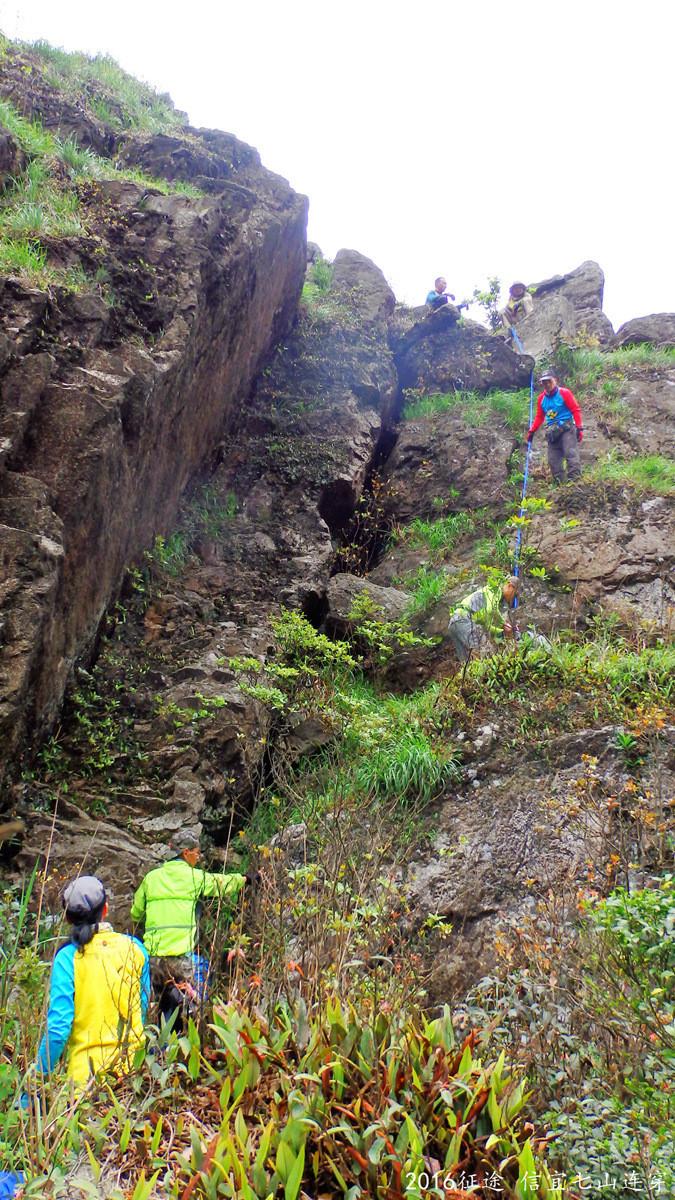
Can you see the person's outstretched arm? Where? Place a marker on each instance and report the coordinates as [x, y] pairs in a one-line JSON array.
[[211, 884]]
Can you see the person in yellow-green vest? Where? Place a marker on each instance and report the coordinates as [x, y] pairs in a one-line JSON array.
[[98, 992], [478, 618], [168, 901]]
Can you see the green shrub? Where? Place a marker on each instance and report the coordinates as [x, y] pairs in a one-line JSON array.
[[587, 1009], [169, 554], [375, 638]]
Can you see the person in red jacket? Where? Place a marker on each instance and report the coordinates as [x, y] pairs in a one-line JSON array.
[[558, 410]]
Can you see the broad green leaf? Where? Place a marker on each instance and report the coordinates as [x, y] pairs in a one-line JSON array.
[[292, 1185]]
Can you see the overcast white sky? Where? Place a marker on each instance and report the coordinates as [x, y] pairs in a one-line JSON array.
[[463, 138]]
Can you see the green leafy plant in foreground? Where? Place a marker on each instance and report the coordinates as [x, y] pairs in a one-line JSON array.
[[587, 1006]]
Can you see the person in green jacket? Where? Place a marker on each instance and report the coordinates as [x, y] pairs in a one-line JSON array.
[[478, 617], [169, 901]]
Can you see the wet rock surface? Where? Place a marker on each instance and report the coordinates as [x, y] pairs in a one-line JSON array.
[[107, 411]]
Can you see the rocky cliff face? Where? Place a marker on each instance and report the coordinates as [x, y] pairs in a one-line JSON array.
[[110, 402], [297, 456]]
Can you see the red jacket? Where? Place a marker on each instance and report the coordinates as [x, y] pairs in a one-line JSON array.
[[569, 401]]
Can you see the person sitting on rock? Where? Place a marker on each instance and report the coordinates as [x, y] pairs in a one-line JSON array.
[[98, 992], [168, 901], [518, 306], [558, 409], [478, 618], [439, 297]]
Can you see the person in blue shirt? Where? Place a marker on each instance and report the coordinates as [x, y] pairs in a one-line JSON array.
[[99, 990], [439, 297]]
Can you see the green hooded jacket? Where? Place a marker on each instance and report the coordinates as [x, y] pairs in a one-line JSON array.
[[167, 901]]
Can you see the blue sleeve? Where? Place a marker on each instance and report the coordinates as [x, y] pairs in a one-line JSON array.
[[61, 1010], [431, 296], [145, 979]]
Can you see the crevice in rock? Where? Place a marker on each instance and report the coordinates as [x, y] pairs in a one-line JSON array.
[[336, 506], [314, 608]]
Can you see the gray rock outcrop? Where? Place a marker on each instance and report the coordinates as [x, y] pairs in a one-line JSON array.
[[435, 354], [389, 603], [564, 307], [658, 329], [365, 284], [106, 412]]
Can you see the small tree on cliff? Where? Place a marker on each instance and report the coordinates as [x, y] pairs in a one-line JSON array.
[[489, 301]]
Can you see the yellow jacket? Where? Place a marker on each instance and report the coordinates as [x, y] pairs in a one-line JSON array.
[[97, 1004]]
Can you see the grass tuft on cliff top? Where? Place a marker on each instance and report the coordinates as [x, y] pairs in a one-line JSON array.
[[511, 407], [44, 200], [109, 93], [584, 368]]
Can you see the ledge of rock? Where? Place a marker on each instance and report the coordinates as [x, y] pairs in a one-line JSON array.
[[658, 329]]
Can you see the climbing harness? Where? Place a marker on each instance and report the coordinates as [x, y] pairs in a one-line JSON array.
[[526, 472]]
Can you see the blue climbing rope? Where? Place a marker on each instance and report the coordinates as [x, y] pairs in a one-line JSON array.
[[526, 472]]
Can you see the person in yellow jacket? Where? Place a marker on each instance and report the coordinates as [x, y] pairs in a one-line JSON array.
[[169, 901], [98, 992], [478, 617]]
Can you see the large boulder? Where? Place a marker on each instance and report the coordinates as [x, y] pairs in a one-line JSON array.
[[389, 604], [564, 307], [658, 329], [368, 290], [438, 354]]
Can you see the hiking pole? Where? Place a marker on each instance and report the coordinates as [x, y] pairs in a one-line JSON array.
[[523, 495]]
